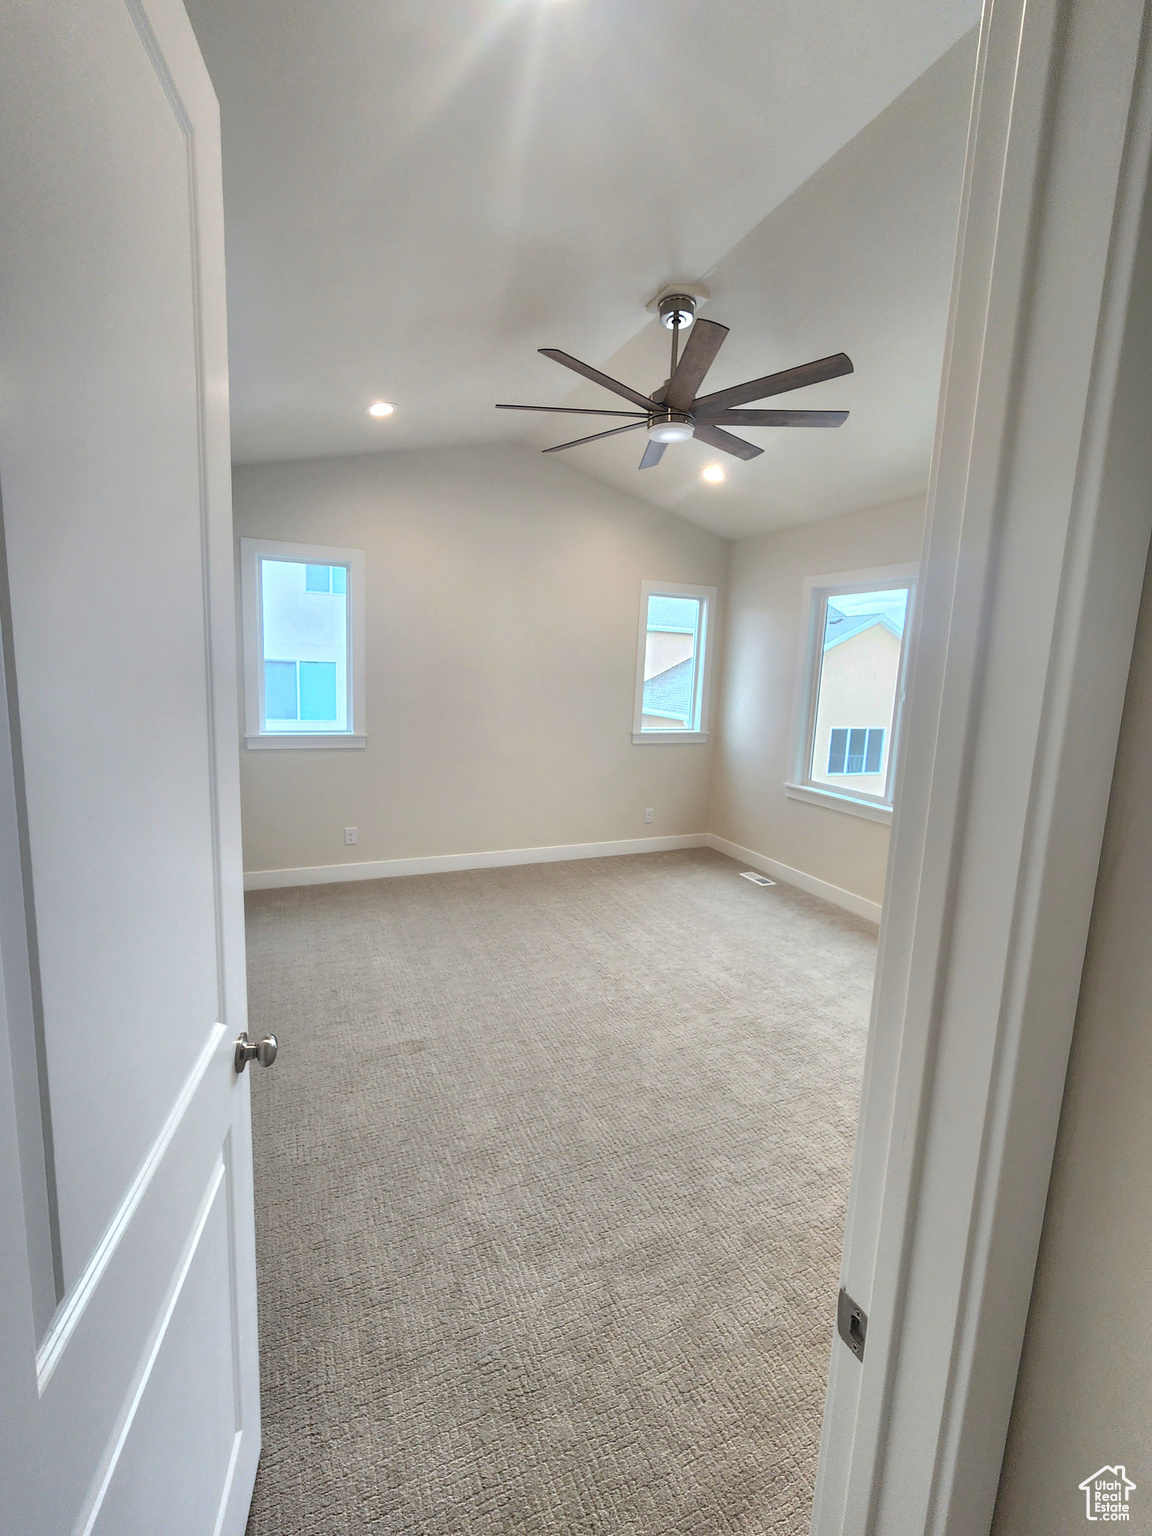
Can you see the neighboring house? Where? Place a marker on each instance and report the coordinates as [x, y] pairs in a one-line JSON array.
[[668, 697], [669, 663], [859, 672], [304, 627]]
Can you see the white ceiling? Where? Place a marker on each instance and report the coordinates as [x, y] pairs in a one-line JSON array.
[[420, 193], [857, 260]]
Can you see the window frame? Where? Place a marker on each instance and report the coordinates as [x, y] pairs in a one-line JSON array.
[[816, 592], [252, 551], [702, 685]]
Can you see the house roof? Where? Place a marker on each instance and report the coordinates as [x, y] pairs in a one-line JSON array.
[[670, 692], [843, 626]]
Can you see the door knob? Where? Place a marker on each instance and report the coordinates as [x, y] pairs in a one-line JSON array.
[[263, 1051]]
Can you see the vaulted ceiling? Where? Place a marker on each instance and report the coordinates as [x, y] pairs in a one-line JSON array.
[[421, 193]]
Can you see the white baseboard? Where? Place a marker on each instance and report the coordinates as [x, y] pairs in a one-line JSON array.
[[385, 869], [434, 864], [815, 887]]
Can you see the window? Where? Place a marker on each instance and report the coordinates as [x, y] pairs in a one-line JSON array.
[[852, 688], [855, 750], [303, 645], [326, 578], [672, 663]]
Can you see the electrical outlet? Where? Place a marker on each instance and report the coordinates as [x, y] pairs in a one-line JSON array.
[[648, 815], [349, 836]]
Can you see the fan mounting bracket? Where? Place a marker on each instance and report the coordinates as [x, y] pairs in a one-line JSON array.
[[692, 297]]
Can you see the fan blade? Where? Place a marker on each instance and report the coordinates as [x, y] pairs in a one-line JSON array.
[[569, 410], [778, 418], [774, 384], [652, 454], [597, 377], [704, 341], [612, 431], [707, 433]]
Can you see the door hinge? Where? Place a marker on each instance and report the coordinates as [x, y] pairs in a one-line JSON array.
[[851, 1323]]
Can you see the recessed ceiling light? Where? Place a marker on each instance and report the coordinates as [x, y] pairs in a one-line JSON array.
[[381, 408], [713, 474]]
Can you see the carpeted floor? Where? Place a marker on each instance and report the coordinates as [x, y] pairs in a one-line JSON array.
[[550, 1186]]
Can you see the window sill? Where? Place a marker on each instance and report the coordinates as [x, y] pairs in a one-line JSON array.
[[666, 738], [289, 741], [831, 800]]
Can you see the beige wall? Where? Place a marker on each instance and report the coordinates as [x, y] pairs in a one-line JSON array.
[[1083, 1398], [765, 580], [503, 596]]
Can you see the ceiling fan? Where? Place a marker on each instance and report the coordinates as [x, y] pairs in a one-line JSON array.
[[675, 412]]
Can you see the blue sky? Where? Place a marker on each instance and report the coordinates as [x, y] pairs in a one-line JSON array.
[[893, 604]]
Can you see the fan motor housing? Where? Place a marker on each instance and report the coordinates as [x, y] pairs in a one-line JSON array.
[[678, 308]]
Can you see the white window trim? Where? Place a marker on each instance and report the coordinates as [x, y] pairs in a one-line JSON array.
[[707, 596], [835, 800], [800, 786], [256, 739]]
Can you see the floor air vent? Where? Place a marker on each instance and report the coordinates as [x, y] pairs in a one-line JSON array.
[[755, 877]]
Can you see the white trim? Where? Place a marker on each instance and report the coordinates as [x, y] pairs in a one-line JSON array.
[[839, 897], [72, 1309], [833, 800], [284, 739], [106, 1471], [255, 737], [814, 590], [702, 677], [1035, 551], [871, 578], [667, 738], [440, 863], [559, 853], [228, 1517]]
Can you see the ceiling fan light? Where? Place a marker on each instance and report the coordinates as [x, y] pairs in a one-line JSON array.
[[670, 431]]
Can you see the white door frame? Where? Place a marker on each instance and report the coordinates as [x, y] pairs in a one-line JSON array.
[[1039, 516]]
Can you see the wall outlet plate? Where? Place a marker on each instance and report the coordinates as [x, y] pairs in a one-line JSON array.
[[350, 835], [648, 815]]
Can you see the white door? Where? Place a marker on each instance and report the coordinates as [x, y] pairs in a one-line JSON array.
[[128, 1385]]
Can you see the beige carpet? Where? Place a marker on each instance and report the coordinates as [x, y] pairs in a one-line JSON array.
[[550, 1187]]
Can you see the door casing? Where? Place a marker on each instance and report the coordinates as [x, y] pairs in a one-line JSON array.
[[1039, 518]]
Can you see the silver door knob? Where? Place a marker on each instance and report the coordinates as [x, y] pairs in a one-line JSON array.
[[263, 1051]]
